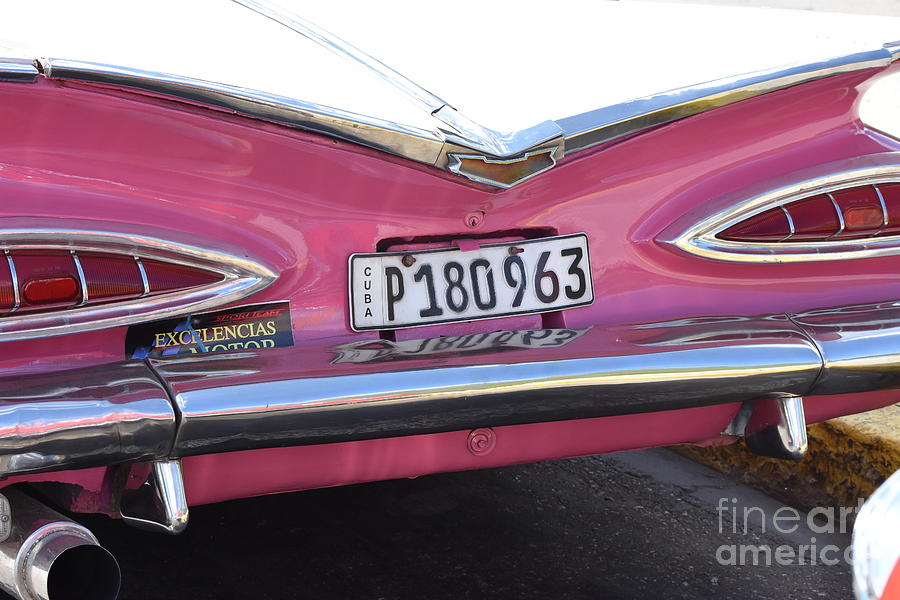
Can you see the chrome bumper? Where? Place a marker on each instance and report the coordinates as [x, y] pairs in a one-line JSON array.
[[292, 396]]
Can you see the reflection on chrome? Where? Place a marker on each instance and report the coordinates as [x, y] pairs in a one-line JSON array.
[[473, 343], [83, 418]]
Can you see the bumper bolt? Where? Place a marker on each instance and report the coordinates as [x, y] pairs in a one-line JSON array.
[[481, 441]]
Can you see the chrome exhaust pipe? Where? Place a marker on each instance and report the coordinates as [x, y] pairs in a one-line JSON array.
[[45, 556]]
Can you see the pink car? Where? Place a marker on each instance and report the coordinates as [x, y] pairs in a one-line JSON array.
[[209, 292]]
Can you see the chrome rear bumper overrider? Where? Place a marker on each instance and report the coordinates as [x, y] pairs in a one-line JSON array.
[[179, 407]]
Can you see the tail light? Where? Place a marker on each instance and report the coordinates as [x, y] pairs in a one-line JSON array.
[[850, 213], [62, 282], [52, 280], [847, 213]]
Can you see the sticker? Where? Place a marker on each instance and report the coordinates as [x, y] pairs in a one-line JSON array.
[[251, 327], [474, 343]]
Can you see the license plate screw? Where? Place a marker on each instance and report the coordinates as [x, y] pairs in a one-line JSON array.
[[408, 260], [513, 250]]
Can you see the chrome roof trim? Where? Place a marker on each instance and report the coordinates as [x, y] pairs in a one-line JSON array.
[[422, 97], [459, 128], [13, 69], [241, 278], [701, 240], [413, 143], [607, 124]]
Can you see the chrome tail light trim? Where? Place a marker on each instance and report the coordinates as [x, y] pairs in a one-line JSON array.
[[241, 277], [17, 298], [82, 282], [143, 271], [702, 239]]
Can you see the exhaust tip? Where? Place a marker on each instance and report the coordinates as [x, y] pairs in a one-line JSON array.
[[86, 571]]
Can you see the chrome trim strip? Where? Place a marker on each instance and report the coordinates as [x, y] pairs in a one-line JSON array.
[[607, 124], [241, 277], [790, 221], [894, 49], [81, 418], [453, 131], [144, 280], [422, 97], [458, 128], [18, 70], [416, 144], [245, 401], [81, 280], [587, 129], [17, 299], [701, 238]]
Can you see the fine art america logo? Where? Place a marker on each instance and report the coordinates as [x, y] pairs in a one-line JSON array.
[[815, 537]]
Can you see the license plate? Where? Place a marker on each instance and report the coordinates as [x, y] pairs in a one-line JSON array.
[[392, 290]]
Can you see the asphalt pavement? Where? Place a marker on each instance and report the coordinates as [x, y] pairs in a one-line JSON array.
[[648, 524]]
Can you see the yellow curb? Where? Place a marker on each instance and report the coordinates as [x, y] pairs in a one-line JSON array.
[[848, 458]]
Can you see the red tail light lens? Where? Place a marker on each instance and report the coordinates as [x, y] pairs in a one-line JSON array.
[[109, 277], [47, 279], [52, 290], [44, 280], [852, 213], [164, 277], [769, 226], [814, 218], [861, 210]]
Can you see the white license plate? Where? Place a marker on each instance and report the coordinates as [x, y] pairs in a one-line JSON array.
[[391, 290]]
